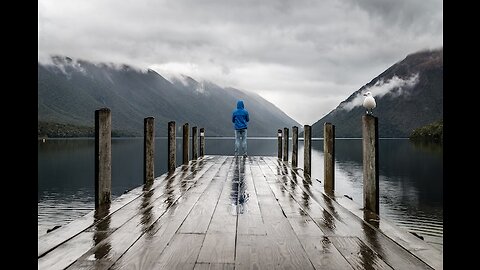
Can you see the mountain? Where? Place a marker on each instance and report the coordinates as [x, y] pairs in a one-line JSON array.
[[69, 92], [409, 95]]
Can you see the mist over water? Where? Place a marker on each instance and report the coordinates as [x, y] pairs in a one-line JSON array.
[[411, 176]]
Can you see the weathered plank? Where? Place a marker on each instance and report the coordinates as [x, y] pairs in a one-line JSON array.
[[219, 244], [359, 255], [265, 252], [322, 253], [418, 247], [284, 248], [149, 247], [214, 266], [226, 213], [118, 241], [344, 223], [188, 245], [250, 221], [218, 247], [49, 241]]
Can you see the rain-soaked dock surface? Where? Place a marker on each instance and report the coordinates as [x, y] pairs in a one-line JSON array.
[[222, 212]]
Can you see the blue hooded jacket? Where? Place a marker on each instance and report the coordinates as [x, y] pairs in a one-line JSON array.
[[240, 116]]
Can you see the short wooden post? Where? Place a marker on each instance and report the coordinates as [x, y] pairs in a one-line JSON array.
[[370, 163], [194, 143], [329, 157], [103, 157], [186, 137], [171, 147], [148, 150], [285, 144], [202, 142], [279, 135], [294, 146], [307, 151]]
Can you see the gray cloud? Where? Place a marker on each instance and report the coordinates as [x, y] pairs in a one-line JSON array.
[[290, 52], [394, 86]]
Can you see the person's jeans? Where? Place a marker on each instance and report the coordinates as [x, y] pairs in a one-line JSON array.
[[241, 141]]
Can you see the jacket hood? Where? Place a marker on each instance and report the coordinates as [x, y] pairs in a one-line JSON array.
[[240, 104]]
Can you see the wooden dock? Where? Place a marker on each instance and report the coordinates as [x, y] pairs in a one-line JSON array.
[[222, 212]]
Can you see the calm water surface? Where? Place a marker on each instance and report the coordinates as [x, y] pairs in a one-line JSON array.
[[411, 176]]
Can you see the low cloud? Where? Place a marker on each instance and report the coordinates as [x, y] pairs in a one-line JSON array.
[[394, 87]]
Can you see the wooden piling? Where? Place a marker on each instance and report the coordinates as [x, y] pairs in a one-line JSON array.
[[186, 137], [294, 146], [370, 163], [148, 150], [279, 135], [307, 154], [171, 147], [103, 157], [194, 143], [202, 142], [285, 144], [329, 157]]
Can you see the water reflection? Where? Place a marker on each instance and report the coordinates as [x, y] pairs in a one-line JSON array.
[[239, 195], [101, 231], [145, 209]]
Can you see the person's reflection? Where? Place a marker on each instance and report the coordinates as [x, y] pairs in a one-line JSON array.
[[238, 194], [101, 231]]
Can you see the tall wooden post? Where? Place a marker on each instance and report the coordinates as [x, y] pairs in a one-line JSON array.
[[103, 157], [307, 154], [279, 135], [329, 157], [148, 150], [171, 147], [186, 137], [370, 163], [194, 143], [202, 142], [285, 144], [294, 146]]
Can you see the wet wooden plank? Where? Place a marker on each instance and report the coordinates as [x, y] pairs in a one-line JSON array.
[[322, 253], [145, 251], [53, 239], [101, 230], [250, 220], [181, 253], [264, 252], [199, 218], [218, 248], [359, 255], [421, 249], [228, 213], [214, 266], [75, 247], [224, 219], [120, 240], [325, 220], [340, 221], [219, 244], [279, 231]]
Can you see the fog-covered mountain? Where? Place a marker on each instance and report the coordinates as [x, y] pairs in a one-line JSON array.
[[69, 92], [409, 95]]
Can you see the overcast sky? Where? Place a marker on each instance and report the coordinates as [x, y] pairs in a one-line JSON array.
[[304, 56]]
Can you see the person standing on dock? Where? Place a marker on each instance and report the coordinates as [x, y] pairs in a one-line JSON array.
[[240, 119]]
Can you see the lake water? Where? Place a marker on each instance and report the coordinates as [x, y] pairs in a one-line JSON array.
[[411, 176]]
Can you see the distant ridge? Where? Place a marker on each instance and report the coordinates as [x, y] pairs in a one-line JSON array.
[[411, 96], [69, 92]]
